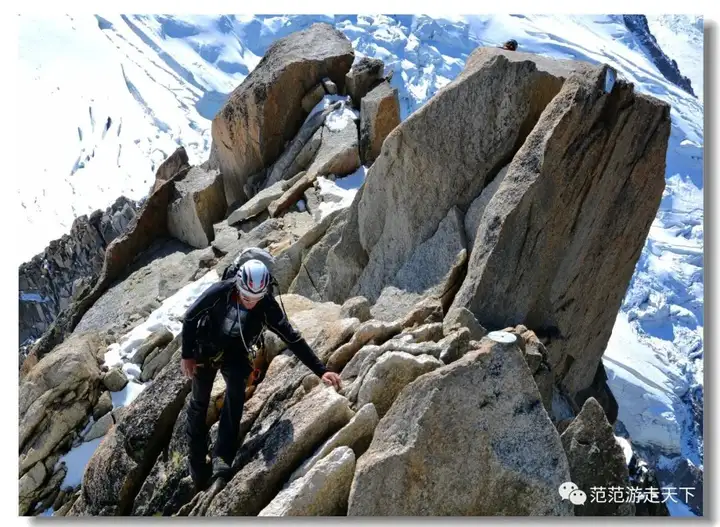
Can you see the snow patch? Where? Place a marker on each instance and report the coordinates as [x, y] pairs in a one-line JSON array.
[[132, 371], [76, 460], [326, 102], [627, 448], [127, 395], [342, 117], [340, 193]]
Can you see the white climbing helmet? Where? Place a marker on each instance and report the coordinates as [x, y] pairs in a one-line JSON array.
[[253, 279]]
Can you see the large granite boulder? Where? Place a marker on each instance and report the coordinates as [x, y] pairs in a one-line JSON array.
[[265, 111], [478, 421], [56, 397], [572, 212], [379, 115], [197, 203]]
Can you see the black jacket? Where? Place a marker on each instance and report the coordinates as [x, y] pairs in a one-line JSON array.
[[266, 314]]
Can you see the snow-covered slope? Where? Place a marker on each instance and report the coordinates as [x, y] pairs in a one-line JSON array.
[[108, 98]]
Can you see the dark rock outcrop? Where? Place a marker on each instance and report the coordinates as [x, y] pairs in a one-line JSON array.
[[148, 225], [596, 460], [178, 161], [68, 267], [638, 26], [600, 390]]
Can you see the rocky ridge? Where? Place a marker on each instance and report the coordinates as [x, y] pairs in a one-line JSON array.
[[463, 356]]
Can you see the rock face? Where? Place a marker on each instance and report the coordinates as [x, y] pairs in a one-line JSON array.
[[379, 115], [321, 492], [478, 206], [289, 260], [168, 485], [596, 460], [600, 390], [338, 153], [197, 203], [295, 435], [389, 375], [157, 339], [423, 173], [462, 317], [265, 111], [149, 224], [313, 279], [361, 78], [100, 428], [156, 274], [56, 398], [157, 360], [177, 161], [116, 471], [301, 151], [357, 435], [569, 213], [258, 203], [572, 212], [115, 380], [478, 420], [103, 406], [54, 278], [313, 97], [291, 195], [424, 272], [29, 484], [356, 307]]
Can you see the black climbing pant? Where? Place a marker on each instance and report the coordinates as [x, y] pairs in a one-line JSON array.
[[226, 445]]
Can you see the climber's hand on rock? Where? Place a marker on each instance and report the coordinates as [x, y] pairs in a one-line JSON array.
[[331, 379]]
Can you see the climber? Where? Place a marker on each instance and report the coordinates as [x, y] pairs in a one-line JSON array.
[[220, 331], [510, 45]]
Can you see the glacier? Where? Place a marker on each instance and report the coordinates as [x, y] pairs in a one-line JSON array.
[[110, 97]]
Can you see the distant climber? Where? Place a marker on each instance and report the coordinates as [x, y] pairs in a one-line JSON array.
[[510, 45], [220, 332]]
